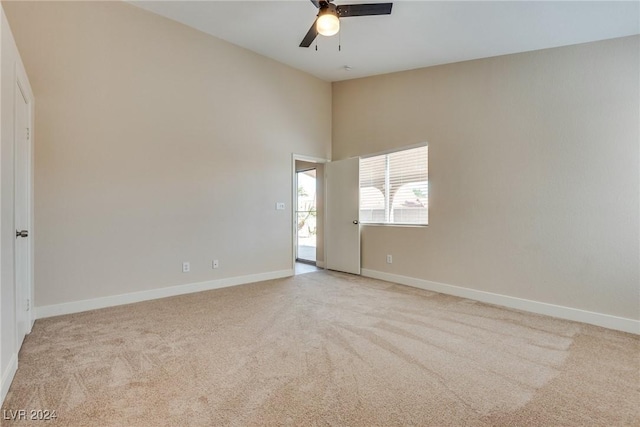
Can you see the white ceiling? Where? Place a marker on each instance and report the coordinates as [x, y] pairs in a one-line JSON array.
[[416, 34]]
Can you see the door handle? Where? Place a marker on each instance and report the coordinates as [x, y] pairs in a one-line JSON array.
[[22, 233], [356, 222]]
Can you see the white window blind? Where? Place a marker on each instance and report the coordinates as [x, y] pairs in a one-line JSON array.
[[394, 188]]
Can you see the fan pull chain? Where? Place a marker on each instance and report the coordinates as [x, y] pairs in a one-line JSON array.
[[340, 41]]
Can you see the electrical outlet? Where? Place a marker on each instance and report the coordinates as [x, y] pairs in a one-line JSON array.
[[186, 267], [389, 259], [215, 264]]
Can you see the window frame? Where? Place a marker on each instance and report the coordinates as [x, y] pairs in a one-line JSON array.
[[399, 224]]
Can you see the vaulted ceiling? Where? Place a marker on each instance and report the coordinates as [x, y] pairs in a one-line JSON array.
[[416, 34]]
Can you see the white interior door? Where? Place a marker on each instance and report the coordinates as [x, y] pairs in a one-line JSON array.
[[343, 227], [22, 215]]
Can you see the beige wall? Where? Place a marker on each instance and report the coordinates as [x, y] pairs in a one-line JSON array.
[[533, 168], [158, 144], [300, 166]]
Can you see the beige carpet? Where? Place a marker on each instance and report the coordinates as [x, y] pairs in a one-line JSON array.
[[325, 349]]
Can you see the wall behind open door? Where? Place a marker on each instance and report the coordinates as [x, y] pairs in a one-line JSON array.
[[342, 236]]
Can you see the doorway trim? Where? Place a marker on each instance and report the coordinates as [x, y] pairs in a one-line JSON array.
[[296, 212], [294, 201]]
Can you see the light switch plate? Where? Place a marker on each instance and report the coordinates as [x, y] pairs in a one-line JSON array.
[[280, 206]]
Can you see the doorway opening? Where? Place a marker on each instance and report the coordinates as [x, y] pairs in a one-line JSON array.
[[307, 213], [306, 216]]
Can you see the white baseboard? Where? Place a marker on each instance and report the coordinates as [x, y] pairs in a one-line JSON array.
[[7, 376], [568, 313], [110, 301], [320, 264]]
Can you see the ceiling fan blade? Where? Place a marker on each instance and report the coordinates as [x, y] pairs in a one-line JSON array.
[[316, 3], [311, 36], [347, 10]]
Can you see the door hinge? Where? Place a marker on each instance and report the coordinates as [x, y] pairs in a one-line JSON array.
[[28, 134], [28, 304]]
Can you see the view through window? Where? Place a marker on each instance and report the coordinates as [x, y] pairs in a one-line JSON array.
[[394, 188]]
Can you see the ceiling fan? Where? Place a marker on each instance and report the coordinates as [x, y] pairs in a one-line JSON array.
[[327, 22]]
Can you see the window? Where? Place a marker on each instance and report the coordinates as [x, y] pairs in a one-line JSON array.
[[394, 188]]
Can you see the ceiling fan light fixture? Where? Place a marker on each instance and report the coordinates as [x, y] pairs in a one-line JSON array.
[[328, 23]]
